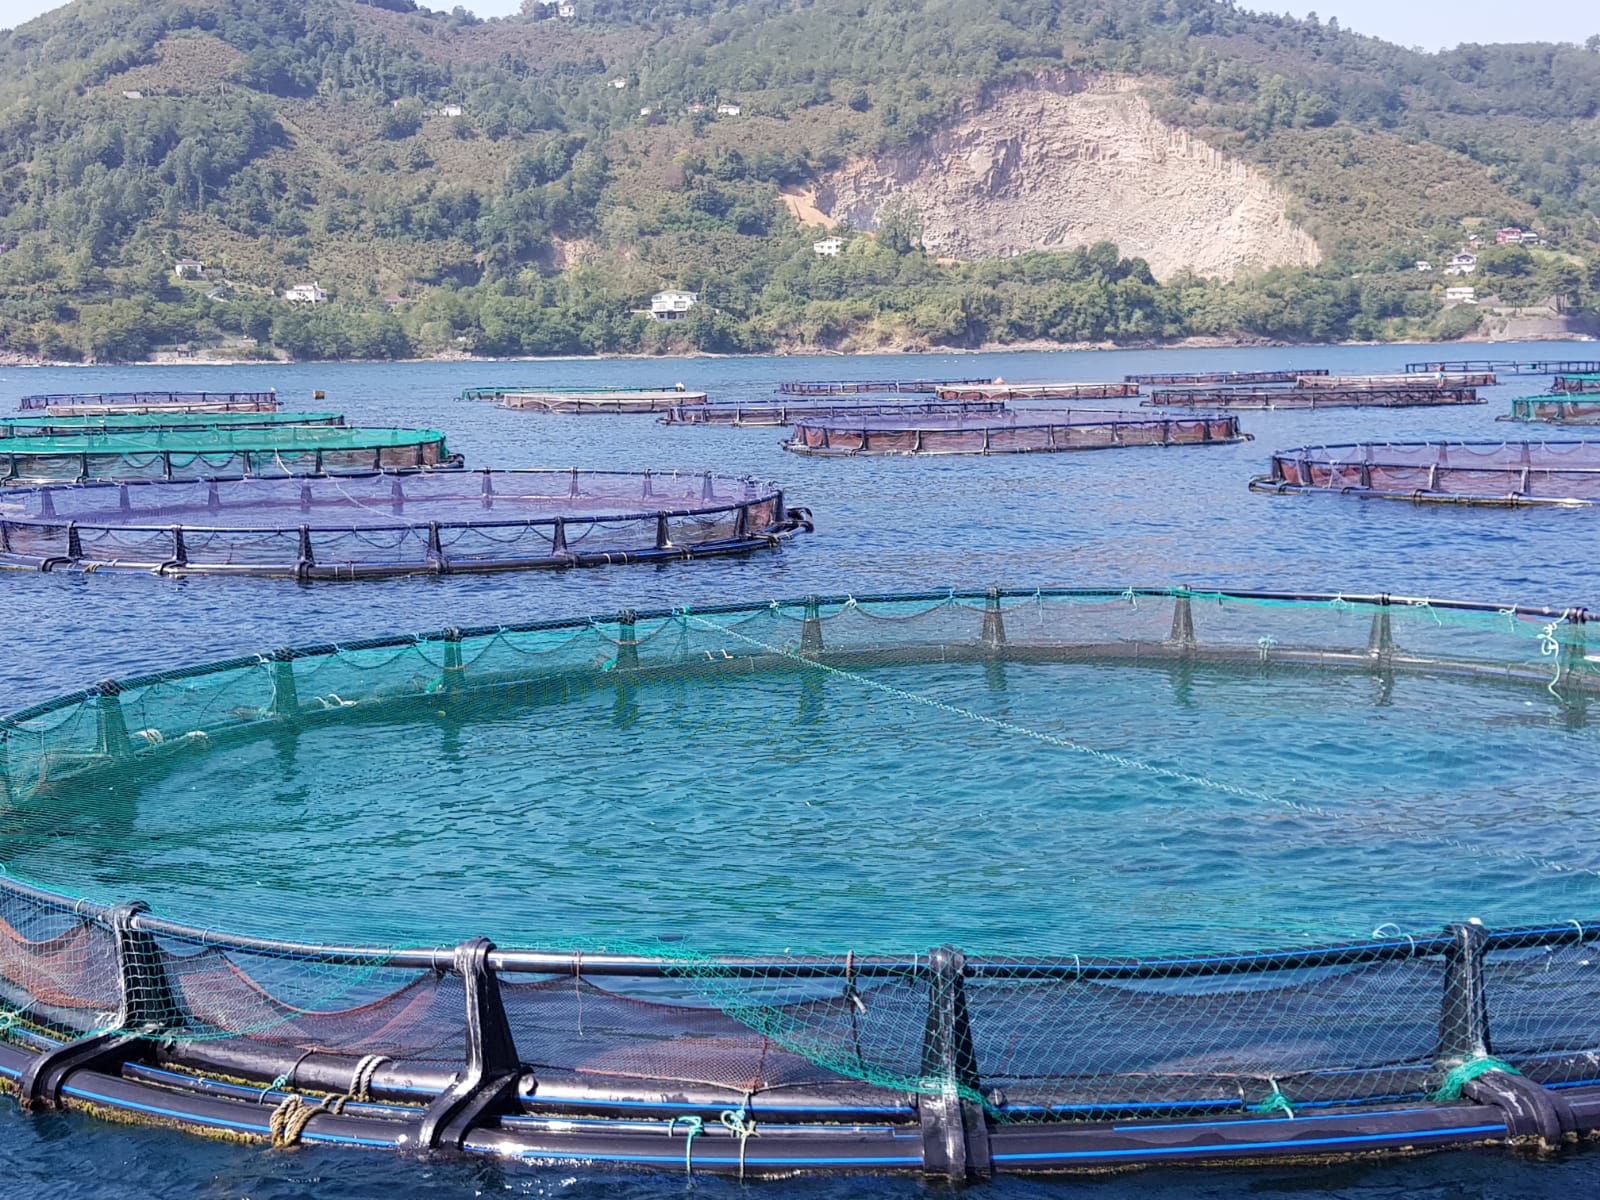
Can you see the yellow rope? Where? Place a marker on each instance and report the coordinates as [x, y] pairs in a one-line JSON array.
[[289, 1120]]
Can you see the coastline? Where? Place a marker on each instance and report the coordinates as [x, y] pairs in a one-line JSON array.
[[12, 359]]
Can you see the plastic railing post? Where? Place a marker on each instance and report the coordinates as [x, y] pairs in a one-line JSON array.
[[955, 1139], [1464, 1015], [811, 629], [492, 1072], [1182, 620], [285, 693], [111, 725], [994, 622], [455, 669], [627, 640]]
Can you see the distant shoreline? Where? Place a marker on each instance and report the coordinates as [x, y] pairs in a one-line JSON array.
[[11, 360]]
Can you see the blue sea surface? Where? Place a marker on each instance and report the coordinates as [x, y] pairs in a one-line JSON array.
[[1133, 517]]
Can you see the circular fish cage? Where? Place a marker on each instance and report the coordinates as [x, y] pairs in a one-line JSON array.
[[383, 523], [861, 387], [1554, 410], [1039, 391], [1506, 474], [1034, 431], [772, 413], [1426, 396], [107, 403], [589, 400], [156, 422], [219, 453], [1156, 936]]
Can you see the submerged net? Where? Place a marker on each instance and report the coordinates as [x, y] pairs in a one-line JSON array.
[[385, 523], [155, 421], [208, 453], [1505, 473], [1189, 779], [1007, 433]]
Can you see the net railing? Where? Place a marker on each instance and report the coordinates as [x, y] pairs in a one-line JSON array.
[[1575, 384], [956, 1039], [156, 421], [772, 413], [382, 523], [1505, 473], [1039, 391], [1309, 397], [219, 453], [1555, 410], [136, 402], [886, 387], [1007, 433], [1191, 378]]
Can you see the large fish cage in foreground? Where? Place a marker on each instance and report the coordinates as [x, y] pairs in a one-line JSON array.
[[1506, 474], [952, 1062], [387, 523], [106, 403], [1026, 432], [189, 454]]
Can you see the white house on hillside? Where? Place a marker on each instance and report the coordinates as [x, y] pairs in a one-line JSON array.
[[828, 247], [728, 110], [672, 306], [189, 268], [305, 293], [1460, 295]]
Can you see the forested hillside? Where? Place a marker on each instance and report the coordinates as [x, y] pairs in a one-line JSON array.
[[525, 185]]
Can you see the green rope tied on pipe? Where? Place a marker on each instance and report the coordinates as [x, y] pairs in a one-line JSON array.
[[1275, 1102], [1465, 1073], [693, 1128], [742, 1125]]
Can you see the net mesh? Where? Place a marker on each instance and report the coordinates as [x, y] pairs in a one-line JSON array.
[[385, 523], [1489, 473], [156, 421], [1007, 433], [146, 402], [1029, 1037]]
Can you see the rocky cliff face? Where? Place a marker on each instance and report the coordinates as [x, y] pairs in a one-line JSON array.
[[1066, 162]]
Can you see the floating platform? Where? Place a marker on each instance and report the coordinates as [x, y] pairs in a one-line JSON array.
[[108, 403], [1576, 384], [1511, 366], [1506, 474], [845, 387], [157, 422], [383, 524], [951, 1064], [1306, 397], [773, 413], [1039, 391], [1554, 410], [220, 453], [601, 402], [1038, 431], [499, 395], [1190, 378]]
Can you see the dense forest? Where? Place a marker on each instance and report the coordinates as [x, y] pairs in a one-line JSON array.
[[523, 186]]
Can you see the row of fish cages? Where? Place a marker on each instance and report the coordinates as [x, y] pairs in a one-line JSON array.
[[1508, 366]]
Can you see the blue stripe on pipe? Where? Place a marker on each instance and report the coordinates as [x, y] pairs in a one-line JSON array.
[[1216, 1148], [217, 1122]]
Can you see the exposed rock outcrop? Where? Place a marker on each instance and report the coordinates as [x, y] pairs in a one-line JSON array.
[[1065, 162]]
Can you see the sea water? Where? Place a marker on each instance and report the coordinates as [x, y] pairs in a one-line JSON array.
[[1500, 767]]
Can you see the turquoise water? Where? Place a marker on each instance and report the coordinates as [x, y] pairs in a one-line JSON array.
[[1164, 516], [769, 813]]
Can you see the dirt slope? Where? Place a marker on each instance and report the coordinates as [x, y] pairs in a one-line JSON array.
[[1065, 162]]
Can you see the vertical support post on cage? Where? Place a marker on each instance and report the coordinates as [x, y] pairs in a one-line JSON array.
[[1464, 1015], [305, 497], [124, 501], [110, 724], [285, 692], [572, 485], [490, 1077], [741, 523], [994, 622], [1380, 642], [455, 667], [708, 490], [47, 503], [74, 542], [1182, 619], [558, 536], [487, 494], [811, 629], [213, 498], [955, 1133], [148, 1001], [397, 497], [663, 534], [1570, 656], [180, 551], [627, 640], [648, 492], [307, 559], [436, 558]]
